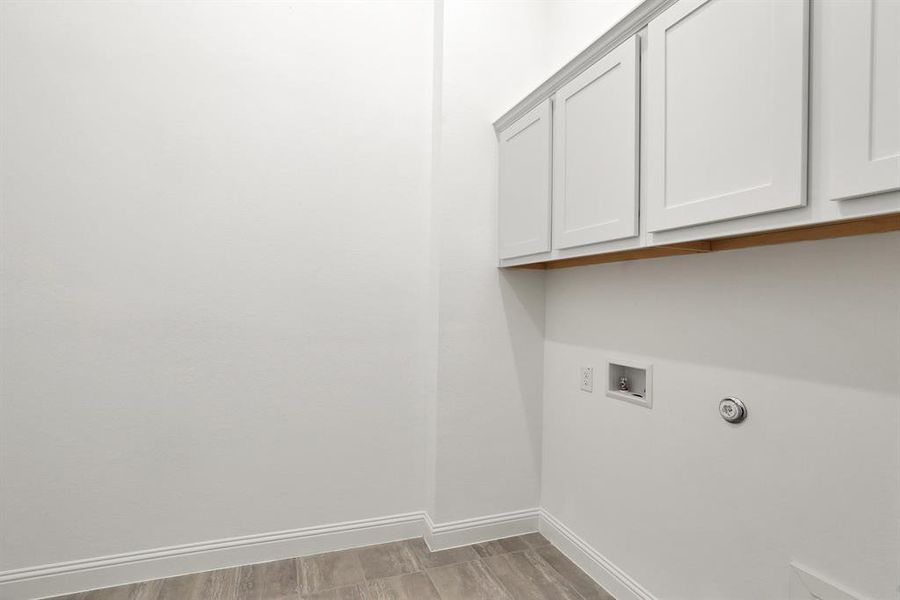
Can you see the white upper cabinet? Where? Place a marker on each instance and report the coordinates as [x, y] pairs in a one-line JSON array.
[[727, 110], [595, 151], [860, 96], [525, 184]]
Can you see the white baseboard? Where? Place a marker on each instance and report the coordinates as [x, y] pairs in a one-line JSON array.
[[601, 570], [806, 585], [452, 534], [79, 575]]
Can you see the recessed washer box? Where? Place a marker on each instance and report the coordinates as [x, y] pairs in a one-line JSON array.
[[637, 379]]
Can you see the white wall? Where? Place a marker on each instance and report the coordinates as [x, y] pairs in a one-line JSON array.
[[214, 224], [692, 508], [249, 285], [573, 25], [808, 335], [490, 324], [488, 394]]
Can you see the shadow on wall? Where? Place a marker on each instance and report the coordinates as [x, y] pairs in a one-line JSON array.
[[826, 311], [522, 292]]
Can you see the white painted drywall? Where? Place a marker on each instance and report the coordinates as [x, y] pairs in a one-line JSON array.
[[490, 343], [490, 324], [226, 294], [214, 225], [572, 25], [808, 335]]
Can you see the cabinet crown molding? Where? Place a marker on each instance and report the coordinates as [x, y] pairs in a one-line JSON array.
[[629, 25]]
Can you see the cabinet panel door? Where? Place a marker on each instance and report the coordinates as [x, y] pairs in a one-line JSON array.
[[727, 110], [524, 211], [860, 96], [595, 152]]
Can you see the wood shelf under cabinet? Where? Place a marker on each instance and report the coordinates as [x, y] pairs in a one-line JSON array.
[[802, 233]]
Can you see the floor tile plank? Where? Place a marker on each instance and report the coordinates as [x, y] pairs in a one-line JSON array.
[[412, 586], [495, 547], [535, 540], [332, 570], [577, 578], [268, 581], [526, 576], [350, 592], [442, 558], [388, 560], [146, 590], [210, 585], [467, 581]]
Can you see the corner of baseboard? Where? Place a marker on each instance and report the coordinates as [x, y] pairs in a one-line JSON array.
[[805, 584], [597, 566], [452, 534], [69, 577], [79, 575]]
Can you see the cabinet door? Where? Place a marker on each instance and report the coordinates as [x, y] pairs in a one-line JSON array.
[[524, 211], [860, 96], [595, 152], [727, 110]]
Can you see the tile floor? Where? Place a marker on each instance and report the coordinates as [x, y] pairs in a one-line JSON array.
[[525, 567]]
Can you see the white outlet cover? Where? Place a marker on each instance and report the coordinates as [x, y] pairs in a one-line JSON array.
[[587, 379]]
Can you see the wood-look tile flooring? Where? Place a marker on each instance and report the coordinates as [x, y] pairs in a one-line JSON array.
[[525, 567]]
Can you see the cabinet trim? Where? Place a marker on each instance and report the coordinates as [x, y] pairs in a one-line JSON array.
[[628, 26], [617, 203], [852, 169], [540, 117], [802, 233], [783, 185]]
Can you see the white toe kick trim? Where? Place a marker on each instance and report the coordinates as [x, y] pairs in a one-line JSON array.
[[601, 570], [87, 574], [452, 534], [106, 571], [807, 585]]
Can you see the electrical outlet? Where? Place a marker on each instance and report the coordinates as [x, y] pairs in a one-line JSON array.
[[587, 379]]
